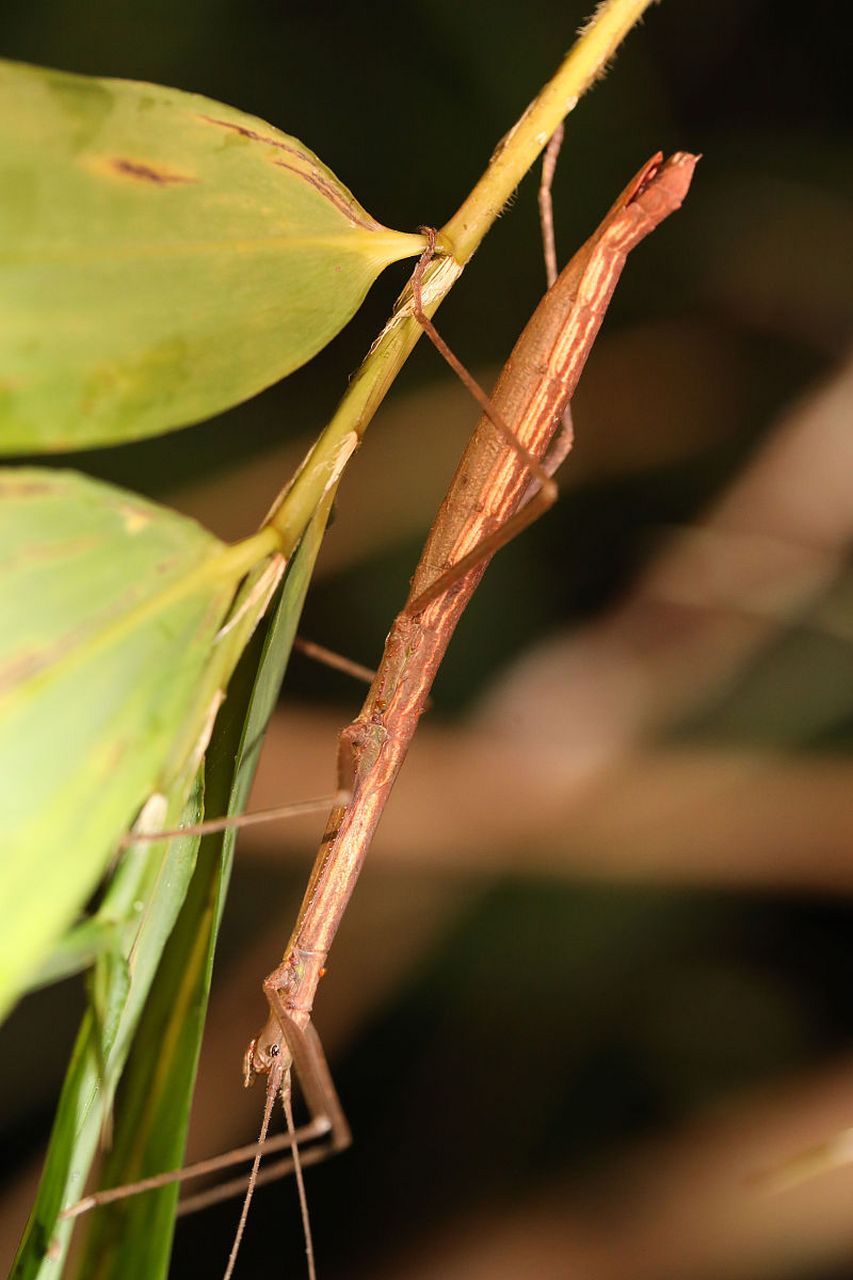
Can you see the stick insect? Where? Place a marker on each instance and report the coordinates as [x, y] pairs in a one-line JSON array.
[[503, 482]]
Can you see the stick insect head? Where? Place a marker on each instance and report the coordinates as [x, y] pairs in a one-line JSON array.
[[264, 1052]]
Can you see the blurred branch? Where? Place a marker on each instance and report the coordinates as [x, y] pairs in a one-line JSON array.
[[686, 1205], [698, 615], [775, 247]]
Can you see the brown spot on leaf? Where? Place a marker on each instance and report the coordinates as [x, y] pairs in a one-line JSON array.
[[245, 132], [303, 166], [329, 192], [12, 488], [141, 171]]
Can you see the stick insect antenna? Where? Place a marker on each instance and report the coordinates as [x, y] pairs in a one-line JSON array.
[[560, 447], [274, 1083], [286, 1102]]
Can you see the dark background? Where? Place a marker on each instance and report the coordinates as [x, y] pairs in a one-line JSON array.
[[551, 1024]]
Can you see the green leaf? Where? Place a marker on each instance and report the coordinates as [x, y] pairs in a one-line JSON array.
[[76, 951], [162, 257], [109, 672], [131, 1239], [134, 923]]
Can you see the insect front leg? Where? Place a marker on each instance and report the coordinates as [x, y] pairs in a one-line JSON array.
[[288, 1042], [542, 491]]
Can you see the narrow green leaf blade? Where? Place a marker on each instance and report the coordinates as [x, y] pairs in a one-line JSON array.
[[76, 951], [162, 257]]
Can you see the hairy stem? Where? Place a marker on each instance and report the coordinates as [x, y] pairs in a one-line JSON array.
[[457, 242]]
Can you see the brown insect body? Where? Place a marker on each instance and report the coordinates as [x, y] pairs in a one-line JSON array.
[[489, 486]]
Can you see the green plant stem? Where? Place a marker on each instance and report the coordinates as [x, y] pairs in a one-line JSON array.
[[457, 242], [586, 61]]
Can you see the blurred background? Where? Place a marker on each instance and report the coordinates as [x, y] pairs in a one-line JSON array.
[[594, 990]]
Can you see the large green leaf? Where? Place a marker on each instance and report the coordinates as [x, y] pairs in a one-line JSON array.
[[131, 1240], [110, 664], [134, 922], [162, 257]]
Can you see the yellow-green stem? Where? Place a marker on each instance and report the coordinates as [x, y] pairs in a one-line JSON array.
[[458, 240], [585, 62]]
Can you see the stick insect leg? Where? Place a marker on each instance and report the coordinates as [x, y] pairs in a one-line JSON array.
[[279, 1083], [561, 445], [543, 490], [326, 1118], [533, 464], [212, 825], [315, 1078], [306, 1058], [337, 661], [546, 204]]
